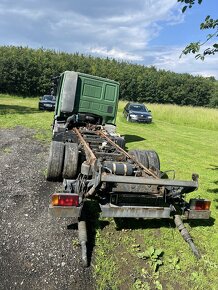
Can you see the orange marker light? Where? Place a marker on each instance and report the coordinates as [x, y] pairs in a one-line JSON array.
[[54, 200]]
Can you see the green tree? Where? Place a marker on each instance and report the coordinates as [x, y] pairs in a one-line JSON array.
[[28, 72], [208, 24]]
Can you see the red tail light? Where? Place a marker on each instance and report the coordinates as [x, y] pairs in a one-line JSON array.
[[199, 204], [65, 199]]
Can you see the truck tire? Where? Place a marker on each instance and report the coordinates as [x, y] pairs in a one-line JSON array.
[[140, 157], [55, 161], [70, 160], [120, 142], [148, 158], [153, 158]]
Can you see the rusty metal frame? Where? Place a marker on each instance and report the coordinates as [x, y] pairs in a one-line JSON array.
[[148, 181], [89, 154], [149, 172]]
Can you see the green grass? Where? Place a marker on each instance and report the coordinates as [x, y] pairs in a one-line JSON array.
[[186, 140], [18, 111]]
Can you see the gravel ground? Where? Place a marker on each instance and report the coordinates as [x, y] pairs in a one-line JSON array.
[[36, 251]]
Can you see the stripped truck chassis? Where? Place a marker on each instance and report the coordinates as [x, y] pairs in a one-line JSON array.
[[125, 184]]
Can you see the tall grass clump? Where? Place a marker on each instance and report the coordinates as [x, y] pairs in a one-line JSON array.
[[199, 117]]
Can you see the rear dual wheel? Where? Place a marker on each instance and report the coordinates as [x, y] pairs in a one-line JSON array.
[[70, 160], [153, 158], [55, 161], [148, 158], [63, 161], [120, 141]]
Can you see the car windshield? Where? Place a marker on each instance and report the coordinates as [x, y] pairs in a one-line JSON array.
[[138, 108], [48, 98]]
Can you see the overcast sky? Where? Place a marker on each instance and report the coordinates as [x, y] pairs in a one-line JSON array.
[[148, 32]]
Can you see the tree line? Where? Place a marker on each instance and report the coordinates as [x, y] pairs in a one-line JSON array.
[[28, 72]]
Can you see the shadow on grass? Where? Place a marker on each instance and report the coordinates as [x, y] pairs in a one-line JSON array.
[[213, 167], [214, 190], [133, 138], [203, 223], [15, 109], [216, 200], [135, 224]]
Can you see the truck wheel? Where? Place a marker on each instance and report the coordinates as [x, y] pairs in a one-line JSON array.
[[70, 160], [152, 157], [140, 157], [55, 161], [148, 158], [120, 142]]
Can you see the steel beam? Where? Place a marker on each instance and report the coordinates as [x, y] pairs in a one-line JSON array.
[[147, 181]]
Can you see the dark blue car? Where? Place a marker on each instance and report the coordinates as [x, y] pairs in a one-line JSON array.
[[137, 112], [47, 102]]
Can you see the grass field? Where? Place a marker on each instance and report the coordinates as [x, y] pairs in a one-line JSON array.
[[186, 140], [17, 111]]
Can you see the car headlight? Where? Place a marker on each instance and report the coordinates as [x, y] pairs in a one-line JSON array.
[[149, 117], [133, 116]]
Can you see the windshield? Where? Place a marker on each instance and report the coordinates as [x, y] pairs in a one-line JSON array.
[[48, 98], [138, 108]]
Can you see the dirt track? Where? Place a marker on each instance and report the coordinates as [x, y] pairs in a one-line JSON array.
[[36, 251]]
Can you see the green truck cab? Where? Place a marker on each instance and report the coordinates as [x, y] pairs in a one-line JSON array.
[[84, 96]]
